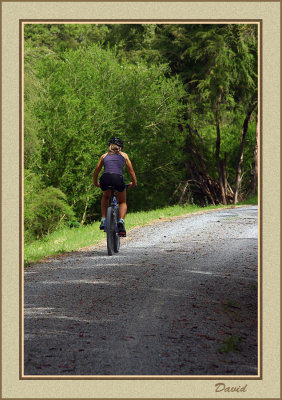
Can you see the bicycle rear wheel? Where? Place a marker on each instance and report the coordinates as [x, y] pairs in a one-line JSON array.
[[116, 237], [110, 231]]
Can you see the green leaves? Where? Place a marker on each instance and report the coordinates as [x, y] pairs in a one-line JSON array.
[[89, 96], [45, 210]]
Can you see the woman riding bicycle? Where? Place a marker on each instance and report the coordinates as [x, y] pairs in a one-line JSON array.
[[113, 162]]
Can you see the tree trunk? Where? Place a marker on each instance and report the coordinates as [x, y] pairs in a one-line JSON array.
[[241, 153], [254, 183], [223, 176], [199, 182], [220, 164], [85, 209], [198, 170]]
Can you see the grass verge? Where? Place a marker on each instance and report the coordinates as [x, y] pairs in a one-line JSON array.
[[250, 201], [72, 239]]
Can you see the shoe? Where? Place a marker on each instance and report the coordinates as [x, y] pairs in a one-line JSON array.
[[102, 225], [121, 228]]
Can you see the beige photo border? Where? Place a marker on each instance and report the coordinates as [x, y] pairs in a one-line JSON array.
[[12, 386]]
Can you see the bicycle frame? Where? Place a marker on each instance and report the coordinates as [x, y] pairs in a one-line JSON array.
[[112, 203], [111, 223]]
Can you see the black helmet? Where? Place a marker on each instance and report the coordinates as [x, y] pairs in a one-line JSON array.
[[117, 141]]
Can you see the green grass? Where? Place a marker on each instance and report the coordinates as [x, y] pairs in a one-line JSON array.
[[71, 239], [62, 241], [231, 344], [250, 201]]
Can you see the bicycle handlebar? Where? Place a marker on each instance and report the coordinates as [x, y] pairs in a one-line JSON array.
[[128, 184]]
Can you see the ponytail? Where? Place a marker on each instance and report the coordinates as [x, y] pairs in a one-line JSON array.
[[114, 148]]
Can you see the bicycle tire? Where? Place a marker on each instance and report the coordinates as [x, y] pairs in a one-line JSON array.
[[116, 238], [110, 231]]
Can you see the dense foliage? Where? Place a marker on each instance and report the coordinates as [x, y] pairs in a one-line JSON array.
[[182, 97]]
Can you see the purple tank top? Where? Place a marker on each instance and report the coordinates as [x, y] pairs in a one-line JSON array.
[[113, 163]]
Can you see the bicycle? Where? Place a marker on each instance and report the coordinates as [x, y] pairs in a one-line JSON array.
[[111, 223]]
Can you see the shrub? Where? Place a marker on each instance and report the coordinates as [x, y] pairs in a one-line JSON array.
[[46, 209]]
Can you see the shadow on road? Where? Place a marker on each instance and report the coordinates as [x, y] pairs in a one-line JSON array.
[[185, 307]]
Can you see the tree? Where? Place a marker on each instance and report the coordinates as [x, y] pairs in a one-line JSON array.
[[89, 96], [218, 65]]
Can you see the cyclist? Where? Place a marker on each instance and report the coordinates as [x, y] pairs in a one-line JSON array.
[[113, 162]]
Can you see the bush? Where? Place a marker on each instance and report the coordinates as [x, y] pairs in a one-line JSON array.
[[46, 209]]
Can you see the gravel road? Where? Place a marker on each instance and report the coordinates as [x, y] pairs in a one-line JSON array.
[[179, 299]]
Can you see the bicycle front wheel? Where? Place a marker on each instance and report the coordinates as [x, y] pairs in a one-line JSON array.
[[116, 237], [110, 231]]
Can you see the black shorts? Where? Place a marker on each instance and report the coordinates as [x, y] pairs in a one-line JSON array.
[[115, 180]]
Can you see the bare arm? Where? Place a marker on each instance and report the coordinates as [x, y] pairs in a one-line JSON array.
[[97, 171], [130, 170]]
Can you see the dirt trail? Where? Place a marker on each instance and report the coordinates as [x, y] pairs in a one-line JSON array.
[[179, 299]]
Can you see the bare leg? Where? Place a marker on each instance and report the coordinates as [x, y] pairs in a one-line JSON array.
[[105, 203], [121, 196]]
